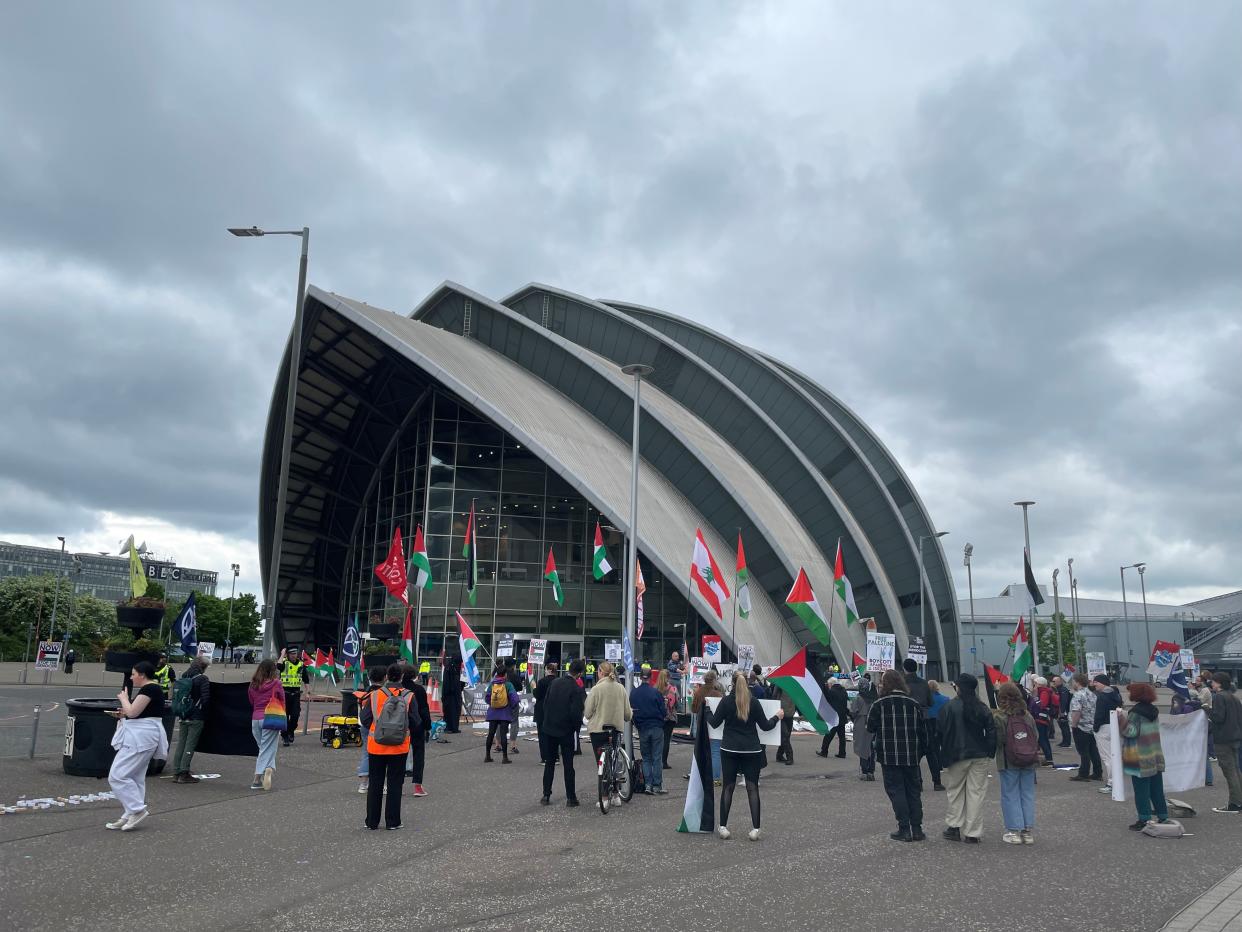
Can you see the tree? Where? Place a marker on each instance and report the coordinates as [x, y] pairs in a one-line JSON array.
[[26, 608], [1048, 642]]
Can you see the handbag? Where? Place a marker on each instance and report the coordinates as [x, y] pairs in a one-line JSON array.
[[274, 717]]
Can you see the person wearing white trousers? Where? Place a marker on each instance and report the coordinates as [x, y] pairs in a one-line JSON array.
[[139, 737]]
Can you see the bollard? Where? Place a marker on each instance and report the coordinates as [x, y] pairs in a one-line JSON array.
[[34, 731]]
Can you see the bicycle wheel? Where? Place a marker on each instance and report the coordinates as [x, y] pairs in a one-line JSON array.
[[625, 786], [605, 781]]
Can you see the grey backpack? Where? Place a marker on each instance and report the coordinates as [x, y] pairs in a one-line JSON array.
[[392, 725], [1169, 829]]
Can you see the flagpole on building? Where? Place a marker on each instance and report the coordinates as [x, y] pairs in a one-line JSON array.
[[639, 372]]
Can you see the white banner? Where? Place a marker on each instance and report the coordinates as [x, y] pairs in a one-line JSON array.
[[771, 737], [612, 651], [1183, 741], [881, 651]]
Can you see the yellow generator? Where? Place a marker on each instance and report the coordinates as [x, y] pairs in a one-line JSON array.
[[338, 730]]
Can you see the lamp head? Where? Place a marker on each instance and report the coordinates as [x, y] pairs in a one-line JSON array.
[[246, 231]]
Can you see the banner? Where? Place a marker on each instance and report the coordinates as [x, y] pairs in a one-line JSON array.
[[1162, 660], [881, 651], [1183, 741], [538, 650], [711, 648], [771, 737]]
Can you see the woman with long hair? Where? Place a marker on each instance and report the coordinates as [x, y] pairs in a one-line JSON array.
[[707, 689], [967, 746], [139, 737], [267, 708], [1142, 758], [1017, 759], [608, 706], [669, 693], [740, 751]]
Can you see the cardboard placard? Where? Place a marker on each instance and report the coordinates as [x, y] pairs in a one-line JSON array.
[[771, 737], [48, 657], [881, 651], [745, 656], [538, 650], [1096, 663]]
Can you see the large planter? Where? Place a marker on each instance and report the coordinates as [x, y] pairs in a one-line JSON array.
[[122, 661], [139, 619]]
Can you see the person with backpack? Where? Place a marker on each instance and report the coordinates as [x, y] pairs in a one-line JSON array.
[[1043, 706], [389, 719], [1017, 759], [740, 750], [1082, 719], [412, 682], [1225, 730], [1142, 758], [375, 679], [563, 703], [502, 701], [967, 746], [899, 737], [191, 694]]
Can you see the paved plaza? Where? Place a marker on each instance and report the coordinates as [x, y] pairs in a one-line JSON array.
[[481, 853]]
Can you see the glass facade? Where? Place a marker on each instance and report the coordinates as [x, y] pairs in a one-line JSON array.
[[449, 457]]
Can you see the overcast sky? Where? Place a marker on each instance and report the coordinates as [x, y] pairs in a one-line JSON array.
[[1008, 235]]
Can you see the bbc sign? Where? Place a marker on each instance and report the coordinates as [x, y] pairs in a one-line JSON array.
[[164, 572]]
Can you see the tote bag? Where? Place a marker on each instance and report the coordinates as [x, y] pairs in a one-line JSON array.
[[274, 717]]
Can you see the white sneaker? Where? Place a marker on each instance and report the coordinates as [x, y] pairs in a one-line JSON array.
[[362, 789], [1012, 838], [753, 834], [1105, 789], [132, 822], [267, 777], [722, 831], [119, 823]]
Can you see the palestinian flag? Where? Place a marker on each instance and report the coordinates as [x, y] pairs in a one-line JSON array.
[[306, 660], [599, 563], [859, 663], [419, 561], [335, 667], [699, 814], [320, 666], [993, 679], [707, 576], [1021, 645], [845, 591], [743, 580], [801, 685], [802, 600], [640, 587], [407, 640], [471, 554], [468, 642], [552, 576]]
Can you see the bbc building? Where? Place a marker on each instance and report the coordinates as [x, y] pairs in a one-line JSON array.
[[520, 408]]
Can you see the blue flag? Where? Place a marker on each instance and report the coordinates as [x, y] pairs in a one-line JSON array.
[[627, 651], [350, 650], [186, 627], [1177, 678]]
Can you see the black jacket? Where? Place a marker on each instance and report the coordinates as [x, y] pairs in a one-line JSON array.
[[200, 691], [562, 705], [916, 689], [411, 682], [965, 740], [452, 677], [740, 736], [541, 695], [1105, 701], [1225, 718], [839, 700]]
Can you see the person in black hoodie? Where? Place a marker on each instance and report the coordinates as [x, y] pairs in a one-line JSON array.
[[920, 692], [562, 704], [967, 746], [418, 740], [1107, 698], [839, 700], [550, 673], [450, 691]]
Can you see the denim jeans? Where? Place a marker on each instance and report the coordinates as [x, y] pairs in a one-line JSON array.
[[1044, 744], [1018, 798], [364, 765], [266, 740], [1149, 795], [651, 746], [715, 742]]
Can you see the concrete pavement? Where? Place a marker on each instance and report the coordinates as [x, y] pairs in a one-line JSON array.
[[481, 853]]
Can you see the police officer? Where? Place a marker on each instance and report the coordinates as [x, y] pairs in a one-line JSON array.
[[164, 675], [424, 672], [590, 673], [293, 674]]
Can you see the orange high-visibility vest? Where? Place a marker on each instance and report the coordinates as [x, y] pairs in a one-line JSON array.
[[377, 704]]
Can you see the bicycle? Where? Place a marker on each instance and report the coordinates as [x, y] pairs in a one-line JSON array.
[[613, 768]]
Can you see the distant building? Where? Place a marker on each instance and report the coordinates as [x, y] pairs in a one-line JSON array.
[[102, 575]]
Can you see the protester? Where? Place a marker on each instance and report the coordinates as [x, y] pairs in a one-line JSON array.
[[1142, 758], [709, 688], [899, 737], [758, 688], [863, 745], [191, 696], [667, 690], [938, 700], [71, 657], [412, 682], [784, 754], [649, 713], [1017, 759], [267, 708], [1225, 722], [502, 702], [967, 746], [517, 680], [1082, 721], [839, 700], [450, 695], [293, 675], [676, 667], [550, 673], [375, 677], [1043, 707], [920, 692], [740, 750], [1064, 698], [564, 702], [139, 737], [387, 756], [608, 706], [1107, 698]]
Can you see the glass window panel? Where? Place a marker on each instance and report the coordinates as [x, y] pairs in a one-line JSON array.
[[529, 483], [444, 431], [441, 477], [480, 435], [517, 527], [524, 460], [478, 479], [443, 454], [485, 503], [440, 499], [469, 455]]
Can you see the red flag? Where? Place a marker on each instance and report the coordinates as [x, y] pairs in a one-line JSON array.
[[307, 660], [995, 677], [320, 660], [392, 571]]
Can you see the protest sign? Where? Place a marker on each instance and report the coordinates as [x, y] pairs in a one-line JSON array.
[[48, 657], [881, 651], [918, 651], [745, 656], [504, 645], [612, 651], [538, 650], [771, 736], [1095, 663]]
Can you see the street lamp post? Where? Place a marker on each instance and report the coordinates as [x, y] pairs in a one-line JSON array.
[[970, 588], [295, 364], [228, 637], [1125, 612], [51, 636], [639, 372], [922, 618], [1079, 649], [1026, 532], [1056, 617], [1142, 568]]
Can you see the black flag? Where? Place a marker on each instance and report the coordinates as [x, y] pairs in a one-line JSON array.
[[1037, 597]]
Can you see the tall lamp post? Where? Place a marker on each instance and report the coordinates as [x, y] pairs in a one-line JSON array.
[[639, 372], [1056, 617], [970, 588], [1079, 647], [295, 364], [60, 573], [1026, 532], [228, 637], [922, 618], [1142, 568]]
